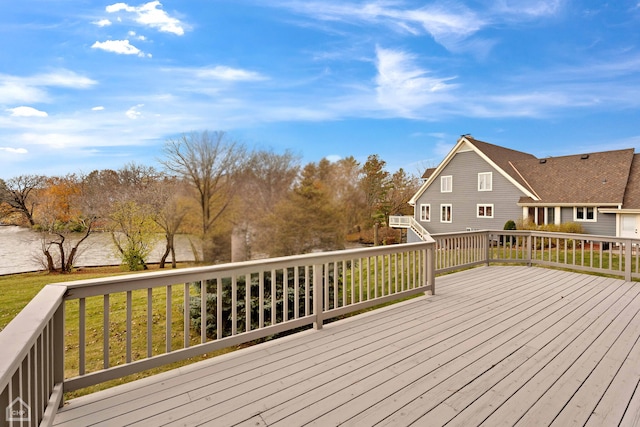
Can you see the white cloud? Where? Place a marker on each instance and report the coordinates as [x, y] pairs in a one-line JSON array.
[[523, 9], [98, 108], [150, 14], [32, 89], [27, 112], [102, 23], [221, 72], [404, 87], [446, 23], [14, 150], [121, 47], [133, 112]]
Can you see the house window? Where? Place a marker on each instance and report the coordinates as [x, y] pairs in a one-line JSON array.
[[585, 213], [425, 212], [446, 184], [485, 181], [445, 213], [485, 211]]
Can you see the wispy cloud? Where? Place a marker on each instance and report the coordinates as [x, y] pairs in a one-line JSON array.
[[150, 14], [32, 89], [102, 23], [446, 23], [14, 150], [133, 113], [404, 87], [221, 72]]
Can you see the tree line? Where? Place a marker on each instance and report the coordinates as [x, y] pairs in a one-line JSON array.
[[214, 188]]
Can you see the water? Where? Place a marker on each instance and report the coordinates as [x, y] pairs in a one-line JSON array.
[[21, 250]]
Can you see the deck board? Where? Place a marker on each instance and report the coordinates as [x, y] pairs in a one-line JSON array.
[[495, 345]]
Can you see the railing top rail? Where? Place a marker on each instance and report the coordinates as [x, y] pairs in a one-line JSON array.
[[92, 287], [20, 334]]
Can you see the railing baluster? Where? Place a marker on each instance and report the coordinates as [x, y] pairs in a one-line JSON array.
[[234, 305], [106, 328], [186, 317], [247, 302], [261, 298], [273, 297], [344, 283], [149, 322], [128, 330], [296, 292], [307, 290], [81, 336], [203, 311], [167, 327], [285, 294], [219, 331]]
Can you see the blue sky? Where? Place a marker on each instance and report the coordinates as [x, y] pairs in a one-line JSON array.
[[96, 84]]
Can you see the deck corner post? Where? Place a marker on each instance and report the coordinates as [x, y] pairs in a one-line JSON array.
[[430, 268], [58, 346], [628, 259], [318, 295], [487, 248]]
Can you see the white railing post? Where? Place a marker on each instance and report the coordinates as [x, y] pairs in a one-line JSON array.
[[318, 295]]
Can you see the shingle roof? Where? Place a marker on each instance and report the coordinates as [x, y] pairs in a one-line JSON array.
[[632, 192], [503, 157], [599, 178]]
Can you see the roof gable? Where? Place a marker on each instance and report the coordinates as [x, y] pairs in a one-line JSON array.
[[498, 157]]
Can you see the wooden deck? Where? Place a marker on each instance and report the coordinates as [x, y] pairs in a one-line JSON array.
[[495, 346]]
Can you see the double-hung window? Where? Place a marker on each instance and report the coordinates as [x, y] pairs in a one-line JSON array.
[[425, 212], [485, 181], [446, 184], [585, 213], [485, 211], [446, 213]]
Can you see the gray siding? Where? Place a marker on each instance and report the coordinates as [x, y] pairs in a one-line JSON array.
[[606, 225], [464, 167]]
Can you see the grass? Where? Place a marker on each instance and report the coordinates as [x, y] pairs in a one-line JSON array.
[[18, 289]]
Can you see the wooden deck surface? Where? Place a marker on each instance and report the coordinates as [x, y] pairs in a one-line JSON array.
[[496, 346]]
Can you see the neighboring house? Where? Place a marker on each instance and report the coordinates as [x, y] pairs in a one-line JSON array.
[[481, 186]]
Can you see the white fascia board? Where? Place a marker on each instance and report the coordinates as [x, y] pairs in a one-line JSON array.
[[436, 172], [455, 150]]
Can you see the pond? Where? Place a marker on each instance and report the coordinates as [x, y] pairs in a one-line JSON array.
[[21, 250]]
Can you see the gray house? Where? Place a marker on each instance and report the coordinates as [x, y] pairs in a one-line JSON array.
[[481, 186]]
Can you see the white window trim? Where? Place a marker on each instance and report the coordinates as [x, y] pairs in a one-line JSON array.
[[444, 179], [428, 206], [575, 214], [450, 206], [488, 180], [486, 205]]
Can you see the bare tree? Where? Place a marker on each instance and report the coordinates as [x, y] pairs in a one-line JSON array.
[[168, 211], [266, 179], [20, 194], [210, 162]]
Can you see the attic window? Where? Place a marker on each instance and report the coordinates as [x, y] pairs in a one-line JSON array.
[[584, 157], [543, 161]]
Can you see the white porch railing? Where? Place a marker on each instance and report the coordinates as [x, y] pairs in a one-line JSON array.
[[407, 221], [157, 318]]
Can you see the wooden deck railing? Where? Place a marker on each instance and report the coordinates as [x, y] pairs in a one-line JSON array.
[[132, 323], [77, 334]]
